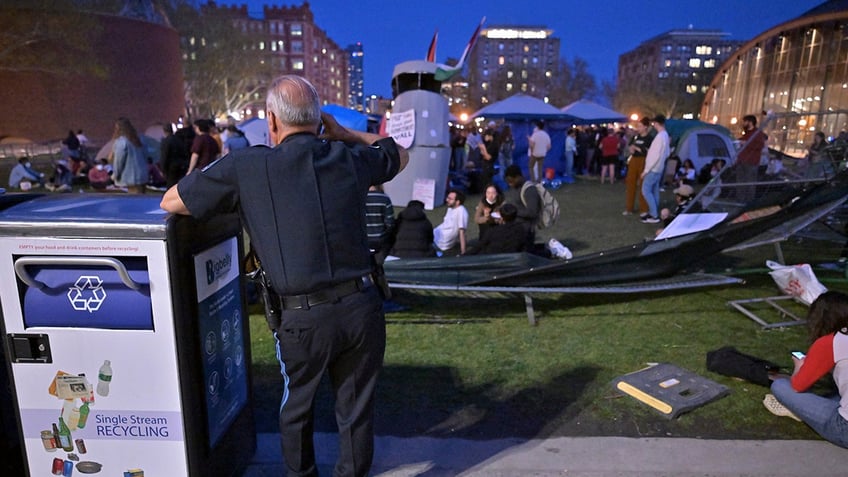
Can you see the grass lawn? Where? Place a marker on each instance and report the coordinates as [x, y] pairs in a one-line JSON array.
[[474, 368]]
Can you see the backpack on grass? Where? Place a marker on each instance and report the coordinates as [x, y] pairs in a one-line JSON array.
[[549, 211]]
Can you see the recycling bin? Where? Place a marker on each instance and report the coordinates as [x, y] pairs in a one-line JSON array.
[[126, 338]]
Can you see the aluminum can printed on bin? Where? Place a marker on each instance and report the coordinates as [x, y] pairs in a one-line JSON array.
[[68, 469], [58, 466], [80, 445]]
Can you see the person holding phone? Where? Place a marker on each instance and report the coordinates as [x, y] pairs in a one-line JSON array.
[[827, 415]]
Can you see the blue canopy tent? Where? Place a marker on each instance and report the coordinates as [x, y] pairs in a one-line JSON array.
[[347, 117], [518, 111], [584, 111]]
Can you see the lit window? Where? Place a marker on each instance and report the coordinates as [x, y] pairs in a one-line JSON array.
[[523, 74], [709, 63], [501, 60], [484, 86], [524, 87], [509, 74], [261, 45], [694, 62], [526, 49], [296, 29], [703, 50], [485, 72], [691, 88], [297, 64], [509, 86], [667, 63], [548, 74]]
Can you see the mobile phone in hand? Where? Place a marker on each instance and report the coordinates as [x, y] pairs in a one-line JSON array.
[[798, 355]]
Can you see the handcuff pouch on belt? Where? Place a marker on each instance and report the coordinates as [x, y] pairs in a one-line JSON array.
[[256, 274], [379, 276]]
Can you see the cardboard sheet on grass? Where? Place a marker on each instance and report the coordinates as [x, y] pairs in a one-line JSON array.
[[669, 390]]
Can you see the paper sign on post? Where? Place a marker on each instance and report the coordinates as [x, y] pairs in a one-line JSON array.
[[401, 127], [424, 190]]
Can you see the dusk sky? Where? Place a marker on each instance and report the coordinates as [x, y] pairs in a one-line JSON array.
[[400, 30]]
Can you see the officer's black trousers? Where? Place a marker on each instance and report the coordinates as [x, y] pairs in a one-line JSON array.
[[347, 339]]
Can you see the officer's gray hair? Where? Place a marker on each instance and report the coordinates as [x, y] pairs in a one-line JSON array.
[[294, 100]]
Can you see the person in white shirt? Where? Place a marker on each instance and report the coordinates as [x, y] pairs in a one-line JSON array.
[[451, 232], [540, 144], [570, 153], [654, 167]]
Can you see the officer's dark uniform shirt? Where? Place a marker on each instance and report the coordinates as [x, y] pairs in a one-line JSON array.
[[302, 202]]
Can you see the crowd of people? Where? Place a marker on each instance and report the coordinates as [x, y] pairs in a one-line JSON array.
[[506, 222], [130, 164]]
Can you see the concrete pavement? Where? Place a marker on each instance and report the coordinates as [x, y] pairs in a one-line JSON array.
[[575, 457]]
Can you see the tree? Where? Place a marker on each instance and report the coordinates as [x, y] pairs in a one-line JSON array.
[[225, 69], [59, 42], [571, 82], [668, 96], [566, 84]]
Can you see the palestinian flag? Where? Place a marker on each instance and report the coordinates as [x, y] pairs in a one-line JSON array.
[[445, 72], [431, 52]]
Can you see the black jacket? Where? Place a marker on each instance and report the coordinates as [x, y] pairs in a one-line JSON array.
[[413, 234]]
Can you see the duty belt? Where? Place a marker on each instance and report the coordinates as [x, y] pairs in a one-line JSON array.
[[330, 294]]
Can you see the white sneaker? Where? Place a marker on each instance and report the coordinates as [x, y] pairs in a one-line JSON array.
[[773, 405]]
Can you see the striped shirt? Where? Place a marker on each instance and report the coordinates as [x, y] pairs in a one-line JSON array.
[[379, 218]]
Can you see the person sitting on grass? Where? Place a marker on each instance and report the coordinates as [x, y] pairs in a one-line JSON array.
[[486, 213], [62, 177], [683, 195], [413, 233], [449, 236], [23, 176], [827, 322], [510, 237], [99, 177]]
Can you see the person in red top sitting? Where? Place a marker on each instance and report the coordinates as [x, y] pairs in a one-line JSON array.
[[827, 415]]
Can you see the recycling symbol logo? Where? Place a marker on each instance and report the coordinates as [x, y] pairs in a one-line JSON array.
[[87, 294]]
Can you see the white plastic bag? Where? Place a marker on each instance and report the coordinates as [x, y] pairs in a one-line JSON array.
[[558, 250], [796, 280]]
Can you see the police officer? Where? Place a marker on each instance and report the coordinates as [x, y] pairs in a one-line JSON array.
[[303, 204]]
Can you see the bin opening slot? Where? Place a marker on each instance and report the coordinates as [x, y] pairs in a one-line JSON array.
[[85, 292]]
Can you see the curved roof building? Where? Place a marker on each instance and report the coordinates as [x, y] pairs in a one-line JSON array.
[[796, 71], [144, 82]]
